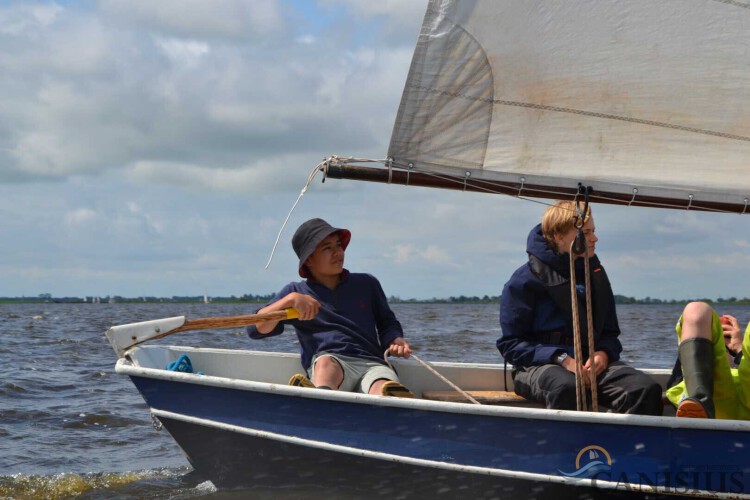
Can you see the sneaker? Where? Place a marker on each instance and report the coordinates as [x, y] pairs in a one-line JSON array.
[[299, 380], [395, 389], [692, 408]]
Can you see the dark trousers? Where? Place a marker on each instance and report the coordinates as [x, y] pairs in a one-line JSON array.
[[621, 388]]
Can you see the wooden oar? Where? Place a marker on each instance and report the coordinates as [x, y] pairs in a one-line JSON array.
[[123, 337]]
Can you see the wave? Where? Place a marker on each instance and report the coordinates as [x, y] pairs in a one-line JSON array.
[[10, 387], [589, 470], [69, 485]]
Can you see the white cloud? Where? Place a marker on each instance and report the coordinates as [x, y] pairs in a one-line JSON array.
[[306, 39], [189, 18], [409, 254], [25, 17], [188, 52], [80, 216], [176, 93], [436, 255], [399, 17]]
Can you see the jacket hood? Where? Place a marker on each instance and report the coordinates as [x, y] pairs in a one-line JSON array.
[[537, 246]]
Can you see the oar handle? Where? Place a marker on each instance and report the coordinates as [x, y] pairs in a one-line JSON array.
[[231, 321]]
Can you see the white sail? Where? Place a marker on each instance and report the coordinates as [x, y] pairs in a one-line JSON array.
[[644, 100]]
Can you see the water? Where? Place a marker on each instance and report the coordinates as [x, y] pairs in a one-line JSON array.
[[71, 428]]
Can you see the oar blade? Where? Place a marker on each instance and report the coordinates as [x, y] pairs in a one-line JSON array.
[[123, 337]]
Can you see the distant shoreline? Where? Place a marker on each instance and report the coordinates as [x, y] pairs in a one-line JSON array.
[[263, 299]]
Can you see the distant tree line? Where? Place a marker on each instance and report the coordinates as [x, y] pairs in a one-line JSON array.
[[264, 298], [48, 298], [621, 299], [461, 299]]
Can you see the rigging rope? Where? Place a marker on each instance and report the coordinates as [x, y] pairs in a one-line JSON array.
[[578, 352], [318, 167], [590, 322], [578, 247]]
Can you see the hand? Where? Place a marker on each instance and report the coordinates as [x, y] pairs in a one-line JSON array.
[[732, 332], [569, 364], [306, 305], [600, 362], [400, 348]]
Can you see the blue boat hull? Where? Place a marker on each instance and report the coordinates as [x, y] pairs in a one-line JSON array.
[[250, 463], [246, 438]]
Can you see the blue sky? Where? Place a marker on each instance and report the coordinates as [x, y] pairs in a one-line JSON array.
[[155, 148]]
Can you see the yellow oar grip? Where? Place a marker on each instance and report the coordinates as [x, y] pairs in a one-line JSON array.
[[291, 313]]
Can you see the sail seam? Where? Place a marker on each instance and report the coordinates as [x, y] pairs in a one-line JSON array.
[[732, 2], [593, 114]]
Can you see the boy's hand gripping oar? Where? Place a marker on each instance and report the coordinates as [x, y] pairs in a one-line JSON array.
[[124, 337]]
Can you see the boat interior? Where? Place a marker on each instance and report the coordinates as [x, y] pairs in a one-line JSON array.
[[490, 384]]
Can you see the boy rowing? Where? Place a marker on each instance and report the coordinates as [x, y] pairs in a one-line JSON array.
[[345, 323]]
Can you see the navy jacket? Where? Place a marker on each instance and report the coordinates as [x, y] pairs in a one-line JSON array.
[[535, 309], [354, 319]]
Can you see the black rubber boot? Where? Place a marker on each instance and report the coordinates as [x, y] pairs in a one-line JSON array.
[[697, 359]]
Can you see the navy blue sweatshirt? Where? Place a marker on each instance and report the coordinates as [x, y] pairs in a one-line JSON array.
[[354, 319]]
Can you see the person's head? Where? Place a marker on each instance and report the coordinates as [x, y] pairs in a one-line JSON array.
[[559, 227], [320, 248]]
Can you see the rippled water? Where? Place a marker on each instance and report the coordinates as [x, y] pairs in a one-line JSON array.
[[71, 428]]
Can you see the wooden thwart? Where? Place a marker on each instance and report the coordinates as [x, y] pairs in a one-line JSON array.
[[484, 397]]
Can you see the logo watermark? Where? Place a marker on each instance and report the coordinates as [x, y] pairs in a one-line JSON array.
[[591, 461], [596, 463]]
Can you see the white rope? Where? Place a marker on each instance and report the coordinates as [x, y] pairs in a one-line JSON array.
[[320, 166], [434, 372], [315, 171], [457, 388]]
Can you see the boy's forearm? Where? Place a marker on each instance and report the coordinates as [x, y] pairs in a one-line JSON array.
[[268, 326]]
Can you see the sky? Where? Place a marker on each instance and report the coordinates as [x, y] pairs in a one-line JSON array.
[[155, 149]]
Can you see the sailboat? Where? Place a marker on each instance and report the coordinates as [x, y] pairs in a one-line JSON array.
[[638, 103]]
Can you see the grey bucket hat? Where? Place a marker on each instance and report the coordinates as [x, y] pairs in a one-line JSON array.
[[309, 235]]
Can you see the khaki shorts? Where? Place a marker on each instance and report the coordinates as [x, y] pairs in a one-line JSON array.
[[359, 374]]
